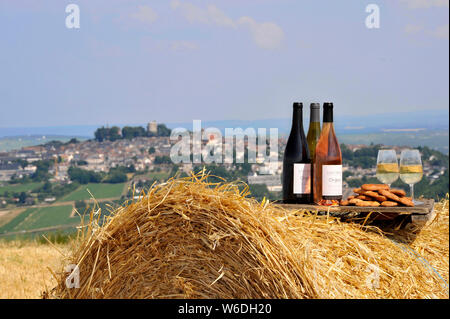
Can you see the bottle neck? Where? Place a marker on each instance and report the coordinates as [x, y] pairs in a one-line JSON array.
[[315, 115], [297, 119], [328, 116]]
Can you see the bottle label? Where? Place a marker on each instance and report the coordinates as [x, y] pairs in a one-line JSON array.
[[302, 178], [332, 180]]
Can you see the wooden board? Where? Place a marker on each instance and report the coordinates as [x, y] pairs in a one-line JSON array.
[[424, 209]]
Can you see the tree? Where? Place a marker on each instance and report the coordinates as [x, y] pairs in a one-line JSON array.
[[365, 157], [53, 143], [163, 130], [81, 163], [73, 141], [22, 198], [47, 187], [151, 150], [130, 132], [346, 174], [82, 176], [163, 160], [259, 191], [22, 163], [41, 172], [107, 134], [116, 177]]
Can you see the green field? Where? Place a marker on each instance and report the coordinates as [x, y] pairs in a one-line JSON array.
[[99, 191], [17, 188], [58, 217], [16, 221], [34, 218], [49, 217], [161, 176]]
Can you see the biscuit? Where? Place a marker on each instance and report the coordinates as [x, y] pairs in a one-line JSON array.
[[374, 187], [375, 195], [351, 197], [367, 204], [398, 192], [357, 190], [344, 202], [407, 202], [389, 195], [364, 197], [353, 201], [389, 204]]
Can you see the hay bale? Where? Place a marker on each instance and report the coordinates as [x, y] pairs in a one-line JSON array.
[[190, 239]]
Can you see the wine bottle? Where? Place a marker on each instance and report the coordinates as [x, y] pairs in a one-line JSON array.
[[327, 163], [297, 162], [313, 135], [314, 128]]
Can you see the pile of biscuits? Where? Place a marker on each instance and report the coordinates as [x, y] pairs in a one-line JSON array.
[[375, 195]]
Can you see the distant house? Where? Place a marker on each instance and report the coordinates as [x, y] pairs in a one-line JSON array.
[[8, 169]]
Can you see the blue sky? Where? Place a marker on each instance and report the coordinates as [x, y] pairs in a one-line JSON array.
[[174, 61]]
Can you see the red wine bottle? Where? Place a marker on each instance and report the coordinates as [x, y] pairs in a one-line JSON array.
[[297, 162], [327, 163]]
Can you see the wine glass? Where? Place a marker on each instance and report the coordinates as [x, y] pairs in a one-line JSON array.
[[411, 171], [387, 166]]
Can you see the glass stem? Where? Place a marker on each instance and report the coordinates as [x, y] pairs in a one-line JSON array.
[[411, 186]]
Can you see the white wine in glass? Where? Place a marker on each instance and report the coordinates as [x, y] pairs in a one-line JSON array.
[[411, 171], [387, 166]]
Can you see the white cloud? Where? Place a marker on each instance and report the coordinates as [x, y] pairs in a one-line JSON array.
[[417, 4], [210, 15], [441, 32], [219, 18], [144, 14], [267, 35], [191, 12]]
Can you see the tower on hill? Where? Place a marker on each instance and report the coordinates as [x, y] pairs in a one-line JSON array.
[[152, 127]]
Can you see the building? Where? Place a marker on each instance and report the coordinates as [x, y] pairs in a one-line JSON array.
[[152, 127]]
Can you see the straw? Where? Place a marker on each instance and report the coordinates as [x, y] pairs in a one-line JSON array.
[[188, 238]]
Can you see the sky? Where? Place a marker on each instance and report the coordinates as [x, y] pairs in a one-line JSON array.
[[175, 60]]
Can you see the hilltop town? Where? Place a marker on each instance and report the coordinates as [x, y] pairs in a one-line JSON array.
[[139, 156]]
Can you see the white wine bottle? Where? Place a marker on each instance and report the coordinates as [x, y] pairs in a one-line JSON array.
[[313, 134], [314, 128]]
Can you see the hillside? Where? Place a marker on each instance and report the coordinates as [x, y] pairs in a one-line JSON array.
[[8, 143]]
